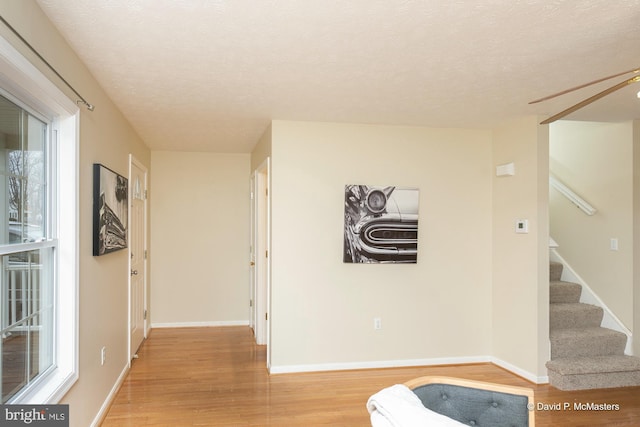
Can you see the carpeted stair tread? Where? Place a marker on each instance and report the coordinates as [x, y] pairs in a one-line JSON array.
[[592, 373], [594, 365], [564, 292], [586, 342], [574, 315], [583, 354], [555, 271]]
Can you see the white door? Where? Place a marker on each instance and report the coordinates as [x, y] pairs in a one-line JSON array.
[[137, 255]]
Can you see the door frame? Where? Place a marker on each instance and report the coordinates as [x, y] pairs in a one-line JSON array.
[[146, 325], [252, 256], [260, 255]]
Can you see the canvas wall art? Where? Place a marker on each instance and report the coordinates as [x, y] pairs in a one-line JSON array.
[[380, 224], [110, 210]]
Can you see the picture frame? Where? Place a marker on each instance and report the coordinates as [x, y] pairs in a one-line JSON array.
[[380, 224], [110, 210]]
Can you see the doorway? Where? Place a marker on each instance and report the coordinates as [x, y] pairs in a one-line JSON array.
[[137, 255], [260, 288]]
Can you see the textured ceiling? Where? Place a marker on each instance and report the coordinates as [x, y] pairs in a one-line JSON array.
[[209, 75]]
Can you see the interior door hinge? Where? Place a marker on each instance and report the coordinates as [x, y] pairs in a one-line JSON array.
[[266, 316], [250, 303], [145, 315], [266, 254], [145, 254], [145, 194]]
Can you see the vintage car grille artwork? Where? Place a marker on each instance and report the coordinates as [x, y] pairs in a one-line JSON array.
[[110, 210], [380, 224]]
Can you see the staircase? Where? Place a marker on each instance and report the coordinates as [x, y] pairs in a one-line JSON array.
[[584, 355]]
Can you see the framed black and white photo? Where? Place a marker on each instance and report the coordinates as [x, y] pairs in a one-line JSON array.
[[380, 224], [110, 210]]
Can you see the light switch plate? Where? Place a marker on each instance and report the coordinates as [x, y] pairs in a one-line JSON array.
[[613, 245]]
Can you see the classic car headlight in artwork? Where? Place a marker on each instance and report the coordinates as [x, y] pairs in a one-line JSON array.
[[381, 224], [376, 200]]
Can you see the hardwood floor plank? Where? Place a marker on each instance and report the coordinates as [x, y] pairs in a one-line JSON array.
[[218, 377]]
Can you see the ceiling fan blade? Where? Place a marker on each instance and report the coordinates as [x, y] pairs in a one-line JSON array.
[[635, 71], [589, 100]]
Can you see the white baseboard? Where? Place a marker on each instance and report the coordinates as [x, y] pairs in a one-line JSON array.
[[520, 372], [112, 394], [200, 324], [289, 369]]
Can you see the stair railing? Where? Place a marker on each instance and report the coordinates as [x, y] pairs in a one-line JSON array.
[[572, 196]]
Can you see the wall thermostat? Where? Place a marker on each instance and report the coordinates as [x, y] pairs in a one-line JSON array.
[[508, 169], [522, 226]]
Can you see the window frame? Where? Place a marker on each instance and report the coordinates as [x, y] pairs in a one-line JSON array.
[[22, 83]]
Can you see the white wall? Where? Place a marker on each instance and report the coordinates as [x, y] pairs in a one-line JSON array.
[[262, 150], [323, 309], [105, 137], [200, 244], [520, 303], [596, 161]]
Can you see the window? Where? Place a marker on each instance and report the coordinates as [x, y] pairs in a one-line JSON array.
[[38, 243], [27, 250]]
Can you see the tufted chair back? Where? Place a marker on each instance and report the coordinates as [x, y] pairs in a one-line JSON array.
[[476, 403]]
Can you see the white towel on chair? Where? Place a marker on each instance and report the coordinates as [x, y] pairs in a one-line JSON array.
[[398, 406]]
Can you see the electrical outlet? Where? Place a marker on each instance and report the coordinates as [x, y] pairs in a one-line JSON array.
[[103, 356], [377, 323]]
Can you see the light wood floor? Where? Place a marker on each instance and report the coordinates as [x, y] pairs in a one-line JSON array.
[[217, 377]]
